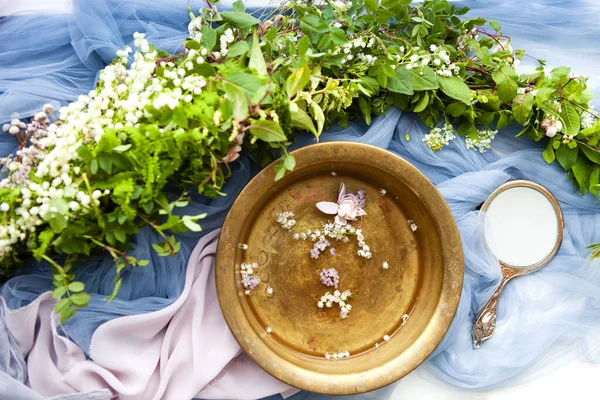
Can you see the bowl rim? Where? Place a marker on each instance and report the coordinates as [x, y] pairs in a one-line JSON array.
[[311, 380]]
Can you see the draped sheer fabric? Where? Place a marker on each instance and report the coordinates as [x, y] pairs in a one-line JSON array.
[[544, 319]]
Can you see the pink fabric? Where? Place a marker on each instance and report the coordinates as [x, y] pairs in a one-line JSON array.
[[182, 351]]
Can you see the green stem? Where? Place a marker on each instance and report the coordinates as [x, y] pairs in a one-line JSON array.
[[160, 232]]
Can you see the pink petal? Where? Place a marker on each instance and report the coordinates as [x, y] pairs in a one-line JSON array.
[[340, 220], [342, 192], [328, 207]]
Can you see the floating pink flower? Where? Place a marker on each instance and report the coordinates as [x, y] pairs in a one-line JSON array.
[[348, 207], [330, 277]]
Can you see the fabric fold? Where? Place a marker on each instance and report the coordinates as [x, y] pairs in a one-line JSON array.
[[174, 353]]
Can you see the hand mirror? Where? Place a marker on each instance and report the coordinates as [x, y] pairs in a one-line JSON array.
[[523, 228]]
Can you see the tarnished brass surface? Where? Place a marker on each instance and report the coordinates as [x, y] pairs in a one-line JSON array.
[[424, 279]]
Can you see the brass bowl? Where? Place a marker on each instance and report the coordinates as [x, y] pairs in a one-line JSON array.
[[424, 280]]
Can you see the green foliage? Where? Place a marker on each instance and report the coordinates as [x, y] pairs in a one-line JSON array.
[[295, 73]]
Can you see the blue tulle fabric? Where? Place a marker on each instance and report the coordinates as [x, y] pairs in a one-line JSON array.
[[544, 319]]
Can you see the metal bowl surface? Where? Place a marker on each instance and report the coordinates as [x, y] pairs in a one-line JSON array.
[[424, 280]]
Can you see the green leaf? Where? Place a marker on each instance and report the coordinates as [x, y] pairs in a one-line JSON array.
[[122, 148], [253, 87], [455, 87], [279, 171], [289, 162], [267, 131], [179, 118], [503, 121], [423, 79], [570, 118], [84, 152], [594, 181], [192, 45], [61, 305], [370, 84], [59, 292], [467, 128], [209, 37], [257, 60], [422, 103], [80, 299], [303, 45], [239, 19], [521, 107], [237, 49], [560, 73], [548, 154], [237, 96], [371, 5], [314, 27], [120, 235], [76, 286], [205, 69], [581, 173], [238, 5], [566, 157], [495, 25], [455, 109], [297, 80], [506, 83], [105, 162], [543, 94], [318, 116], [591, 154], [191, 225], [300, 119], [365, 109], [401, 82]]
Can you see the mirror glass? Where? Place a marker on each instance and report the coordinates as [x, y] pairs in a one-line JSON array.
[[521, 227]]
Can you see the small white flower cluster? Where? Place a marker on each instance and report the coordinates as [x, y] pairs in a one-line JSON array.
[[226, 39], [483, 141], [339, 298], [412, 225], [15, 127], [359, 43], [286, 220], [448, 70], [440, 61], [369, 59], [249, 280], [365, 250], [382, 192], [269, 329], [337, 355], [242, 246], [385, 265], [342, 5], [587, 119], [330, 229], [439, 137]]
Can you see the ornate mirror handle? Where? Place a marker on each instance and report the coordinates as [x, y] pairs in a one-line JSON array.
[[484, 324]]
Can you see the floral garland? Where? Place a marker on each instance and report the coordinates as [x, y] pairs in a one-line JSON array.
[[90, 177]]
